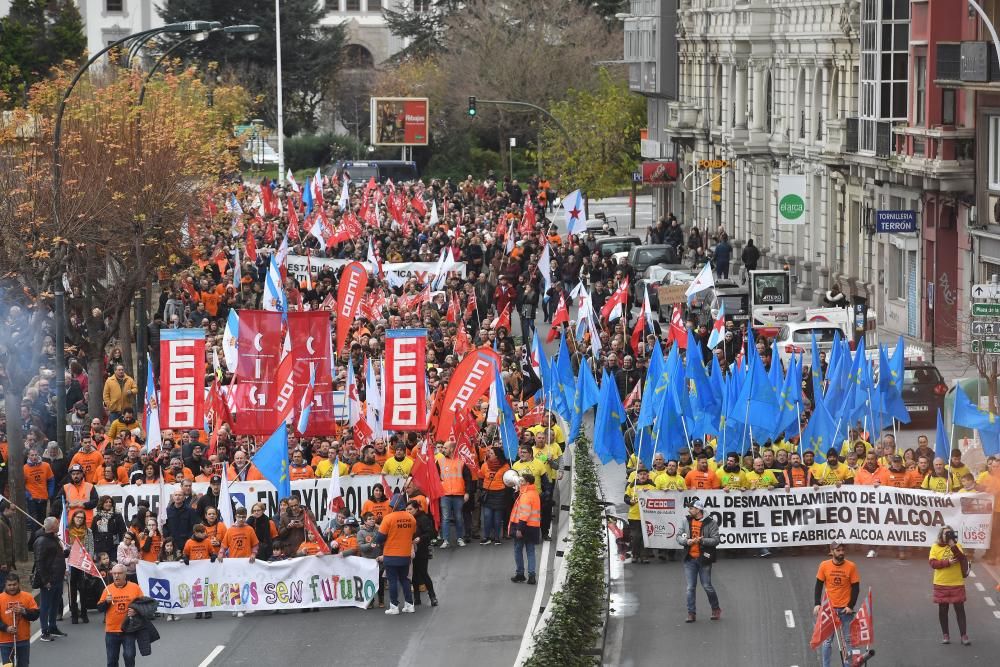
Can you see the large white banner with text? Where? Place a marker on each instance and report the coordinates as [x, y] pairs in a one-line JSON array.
[[853, 515], [236, 584], [396, 273], [312, 493]]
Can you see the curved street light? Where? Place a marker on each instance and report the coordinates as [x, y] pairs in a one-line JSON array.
[[60, 305]]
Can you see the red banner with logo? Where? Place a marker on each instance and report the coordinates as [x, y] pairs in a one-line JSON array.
[[405, 395], [182, 379], [468, 384], [309, 333], [259, 349], [353, 282]]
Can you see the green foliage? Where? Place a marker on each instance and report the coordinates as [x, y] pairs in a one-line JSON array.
[[317, 150], [311, 57], [604, 124], [577, 609], [35, 36], [423, 31]]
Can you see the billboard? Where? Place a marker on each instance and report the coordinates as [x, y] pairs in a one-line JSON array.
[[399, 121], [659, 172]]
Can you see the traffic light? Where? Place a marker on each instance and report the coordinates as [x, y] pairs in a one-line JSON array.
[[472, 106]]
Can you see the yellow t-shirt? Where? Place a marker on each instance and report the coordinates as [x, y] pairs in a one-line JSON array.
[[948, 576], [733, 480], [557, 433], [633, 492], [398, 468], [761, 480], [848, 447], [956, 474], [547, 455], [827, 475], [325, 468], [937, 484], [535, 467], [665, 482]]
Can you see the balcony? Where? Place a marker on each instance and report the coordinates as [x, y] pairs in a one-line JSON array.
[[968, 64], [682, 119], [868, 137]]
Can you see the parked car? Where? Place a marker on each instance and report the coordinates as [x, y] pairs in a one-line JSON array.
[[736, 299], [797, 337], [259, 153], [602, 225], [609, 245], [653, 277], [924, 390], [400, 171], [643, 256]]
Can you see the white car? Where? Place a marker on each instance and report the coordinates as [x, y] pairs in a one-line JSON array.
[[257, 152], [797, 338]]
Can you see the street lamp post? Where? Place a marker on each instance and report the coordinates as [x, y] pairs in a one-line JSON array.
[[60, 308]]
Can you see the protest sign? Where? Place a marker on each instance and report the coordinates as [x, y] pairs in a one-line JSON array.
[[236, 584], [396, 273], [312, 493], [850, 514]]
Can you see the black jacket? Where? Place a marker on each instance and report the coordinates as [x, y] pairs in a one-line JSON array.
[[426, 532], [141, 624], [180, 523], [50, 558]]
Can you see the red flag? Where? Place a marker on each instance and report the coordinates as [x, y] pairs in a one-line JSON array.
[[471, 380], [284, 385], [334, 495], [353, 282], [259, 345], [617, 298], [418, 205], [863, 627], [528, 220], [363, 432], [404, 380], [251, 245], [462, 342], [677, 333], [311, 528], [427, 478], [453, 309], [81, 560], [386, 488], [827, 622], [537, 415], [293, 222], [561, 317], [637, 332], [465, 431], [503, 319], [633, 396]]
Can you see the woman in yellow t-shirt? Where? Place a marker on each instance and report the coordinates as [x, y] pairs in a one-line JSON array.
[[950, 564]]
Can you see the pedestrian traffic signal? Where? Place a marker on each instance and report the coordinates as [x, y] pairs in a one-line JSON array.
[[472, 106]]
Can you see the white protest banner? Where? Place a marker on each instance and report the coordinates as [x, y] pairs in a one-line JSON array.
[[396, 273], [850, 514], [312, 493], [236, 584]]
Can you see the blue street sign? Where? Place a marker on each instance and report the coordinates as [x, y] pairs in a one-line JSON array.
[[637, 177], [894, 222]]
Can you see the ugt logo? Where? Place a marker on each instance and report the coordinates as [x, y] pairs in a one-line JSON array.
[[159, 589]]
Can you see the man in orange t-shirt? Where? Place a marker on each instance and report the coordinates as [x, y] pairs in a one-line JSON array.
[[38, 482], [701, 477], [91, 460], [115, 601], [843, 584], [396, 534], [17, 610]]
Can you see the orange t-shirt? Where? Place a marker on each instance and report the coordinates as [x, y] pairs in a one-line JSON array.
[[420, 499], [896, 479], [702, 480], [378, 509], [380, 459], [118, 599], [7, 602], [914, 478], [399, 529], [240, 541], [124, 471], [300, 472], [169, 477], [309, 548], [360, 468], [838, 580], [92, 464], [346, 543], [217, 530], [195, 550], [153, 554], [211, 301], [36, 480], [695, 550], [865, 478]]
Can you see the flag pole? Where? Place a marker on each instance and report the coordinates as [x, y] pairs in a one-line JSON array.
[[3, 497], [798, 413]]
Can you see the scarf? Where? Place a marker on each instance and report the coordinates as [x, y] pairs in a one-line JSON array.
[[78, 533], [262, 528], [494, 464]]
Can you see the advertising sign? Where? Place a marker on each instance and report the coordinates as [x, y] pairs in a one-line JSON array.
[[659, 172], [895, 222], [791, 199], [399, 121]]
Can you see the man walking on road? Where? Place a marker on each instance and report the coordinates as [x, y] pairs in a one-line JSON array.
[[700, 541], [842, 582], [115, 601]]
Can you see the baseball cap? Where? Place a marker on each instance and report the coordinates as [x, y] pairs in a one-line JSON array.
[[216, 479], [76, 467], [834, 545], [698, 505]]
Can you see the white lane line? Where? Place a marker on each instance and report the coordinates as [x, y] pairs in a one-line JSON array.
[[997, 614], [777, 570], [989, 601], [38, 633], [789, 618], [213, 655], [972, 574], [980, 587]]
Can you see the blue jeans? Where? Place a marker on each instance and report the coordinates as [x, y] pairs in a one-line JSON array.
[[528, 547], [693, 571], [23, 651], [398, 575], [48, 605], [492, 524], [451, 510], [845, 635], [120, 641]]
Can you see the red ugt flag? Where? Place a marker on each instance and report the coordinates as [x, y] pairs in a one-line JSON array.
[[826, 623], [81, 560], [862, 627]]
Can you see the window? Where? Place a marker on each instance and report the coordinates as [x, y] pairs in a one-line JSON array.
[[988, 269], [920, 90], [885, 29], [374, 5], [947, 106], [114, 5], [994, 155], [353, 5]]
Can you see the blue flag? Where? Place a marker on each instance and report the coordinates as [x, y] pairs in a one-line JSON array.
[[505, 418], [564, 382], [307, 197], [820, 432], [587, 395], [272, 461], [650, 392], [942, 443], [890, 389], [775, 371], [817, 366], [758, 402], [970, 416], [790, 399], [609, 442], [543, 366]]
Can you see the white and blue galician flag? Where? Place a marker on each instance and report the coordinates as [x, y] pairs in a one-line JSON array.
[[307, 403], [230, 340], [152, 410], [718, 328], [274, 292], [576, 221]]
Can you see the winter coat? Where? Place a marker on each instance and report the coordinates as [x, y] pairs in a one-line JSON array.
[[426, 532], [50, 559], [141, 625]]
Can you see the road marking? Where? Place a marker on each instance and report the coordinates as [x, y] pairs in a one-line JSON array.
[[213, 655], [38, 633], [972, 573], [789, 618], [997, 614], [989, 601], [777, 570], [980, 587]]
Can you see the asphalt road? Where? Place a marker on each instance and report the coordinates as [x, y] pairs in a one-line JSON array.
[[481, 618]]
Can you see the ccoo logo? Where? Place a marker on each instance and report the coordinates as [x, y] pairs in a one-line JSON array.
[[159, 589]]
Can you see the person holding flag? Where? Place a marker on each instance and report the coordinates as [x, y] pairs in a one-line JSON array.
[[838, 578], [17, 610]]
